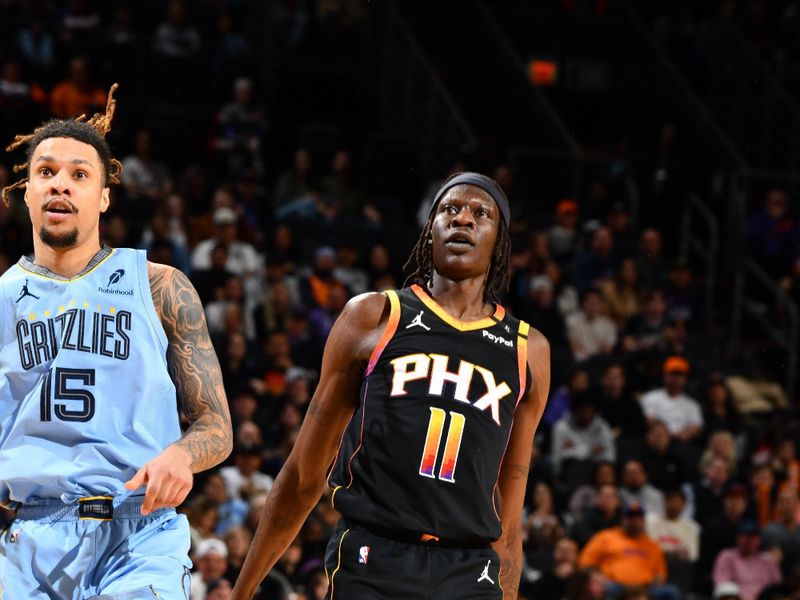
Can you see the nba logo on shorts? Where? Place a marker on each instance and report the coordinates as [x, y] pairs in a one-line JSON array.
[[363, 555]]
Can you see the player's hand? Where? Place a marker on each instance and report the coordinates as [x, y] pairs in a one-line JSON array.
[[168, 478]]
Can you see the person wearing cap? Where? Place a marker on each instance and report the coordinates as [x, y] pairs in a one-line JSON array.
[[727, 590], [627, 557], [244, 476], [418, 392], [678, 411], [211, 562], [243, 260], [745, 565]]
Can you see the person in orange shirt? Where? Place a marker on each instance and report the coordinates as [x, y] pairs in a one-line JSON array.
[[76, 95], [627, 557]]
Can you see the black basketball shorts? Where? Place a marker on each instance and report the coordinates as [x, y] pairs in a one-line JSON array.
[[362, 565]]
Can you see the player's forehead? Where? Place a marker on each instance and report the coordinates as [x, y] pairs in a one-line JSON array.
[[65, 150], [466, 193]]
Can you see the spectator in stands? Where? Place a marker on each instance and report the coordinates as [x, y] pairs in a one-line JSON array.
[[218, 589], [683, 297], [174, 37], [784, 531], [622, 294], [722, 445], [566, 295], [772, 235], [564, 235], [670, 405], [37, 46], [649, 336], [243, 479], [237, 539], [727, 590], [76, 95], [542, 528], [719, 530], [538, 308], [553, 584], [339, 184], [242, 125], [315, 289], [145, 178], [210, 559], [581, 438], [585, 496], [603, 515], [628, 557], [678, 535], [558, 404], [635, 488], [597, 263], [590, 331], [665, 468], [744, 565], [719, 411], [305, 341], [652, 265], [380, 267], [230, 511], [348, 270], [294, 183], [20, 99], [617, 406], [710, 490], [210, 282], [243, 260]]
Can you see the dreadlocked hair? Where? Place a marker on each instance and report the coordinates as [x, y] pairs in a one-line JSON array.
[[92, 131], [421, 260]]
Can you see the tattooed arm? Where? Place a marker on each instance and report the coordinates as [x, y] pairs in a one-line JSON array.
[[194, 368], [514, 471]]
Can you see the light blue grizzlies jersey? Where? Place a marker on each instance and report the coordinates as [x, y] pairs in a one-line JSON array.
[[85, 395]]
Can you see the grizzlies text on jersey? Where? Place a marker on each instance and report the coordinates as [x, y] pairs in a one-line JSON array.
[[85, 394], [423, 450]]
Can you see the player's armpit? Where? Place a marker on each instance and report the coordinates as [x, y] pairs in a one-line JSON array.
[[194, 368], [516, 464]]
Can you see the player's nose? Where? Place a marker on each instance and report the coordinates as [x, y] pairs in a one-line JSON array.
[[463, 218], [61, 184]]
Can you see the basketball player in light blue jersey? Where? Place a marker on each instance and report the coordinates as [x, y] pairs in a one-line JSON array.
[[96, 345]]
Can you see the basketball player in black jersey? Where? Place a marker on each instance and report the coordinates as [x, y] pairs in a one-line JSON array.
[[417, 396]]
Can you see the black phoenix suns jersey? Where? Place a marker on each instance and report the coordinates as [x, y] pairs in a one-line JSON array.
[[422, 452]]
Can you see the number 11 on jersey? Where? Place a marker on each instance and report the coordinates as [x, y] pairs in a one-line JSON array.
[[451, 446]]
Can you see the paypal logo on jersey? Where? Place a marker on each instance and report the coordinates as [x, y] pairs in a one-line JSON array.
[[498, 339], [114, 279]]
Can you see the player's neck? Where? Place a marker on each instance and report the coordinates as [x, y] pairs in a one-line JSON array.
[[66, 262], [461, 299]]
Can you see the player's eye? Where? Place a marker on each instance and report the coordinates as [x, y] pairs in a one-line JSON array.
[[81, 174], [44, 172], [482, 212], [451, 209]]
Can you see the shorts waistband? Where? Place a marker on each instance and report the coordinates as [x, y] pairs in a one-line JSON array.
[[410, 537], [94, 508]]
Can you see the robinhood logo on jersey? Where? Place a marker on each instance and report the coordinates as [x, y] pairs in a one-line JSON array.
[[498, 339], [113, 280]]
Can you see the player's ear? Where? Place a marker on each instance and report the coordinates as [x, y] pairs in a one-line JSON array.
[[105, 199], [25, 196]]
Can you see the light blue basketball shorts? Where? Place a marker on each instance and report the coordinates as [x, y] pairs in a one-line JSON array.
[[55, 551]]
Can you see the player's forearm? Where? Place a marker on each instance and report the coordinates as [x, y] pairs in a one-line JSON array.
[[509, 549], [285, 511], [208, 441]]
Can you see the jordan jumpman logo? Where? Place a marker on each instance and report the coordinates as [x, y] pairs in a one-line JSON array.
[[24, 292], [417, 322], [485, 574]]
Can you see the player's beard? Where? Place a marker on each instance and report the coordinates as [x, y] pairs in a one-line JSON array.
[[61, 240]]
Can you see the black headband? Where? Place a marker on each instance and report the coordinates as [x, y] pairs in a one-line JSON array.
[[487, 184]]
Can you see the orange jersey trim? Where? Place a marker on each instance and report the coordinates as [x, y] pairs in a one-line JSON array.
[[433, 306], [522, 364], [388, 332]]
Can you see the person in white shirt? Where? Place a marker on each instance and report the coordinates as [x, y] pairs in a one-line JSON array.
[[679, 412], [243, 479], [636, 489], [582, 435], [678, 536], [589, 330]]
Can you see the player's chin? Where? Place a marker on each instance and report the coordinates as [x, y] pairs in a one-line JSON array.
[[58, 237]]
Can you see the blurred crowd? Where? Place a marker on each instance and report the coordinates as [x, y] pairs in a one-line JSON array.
[[658, 470]]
